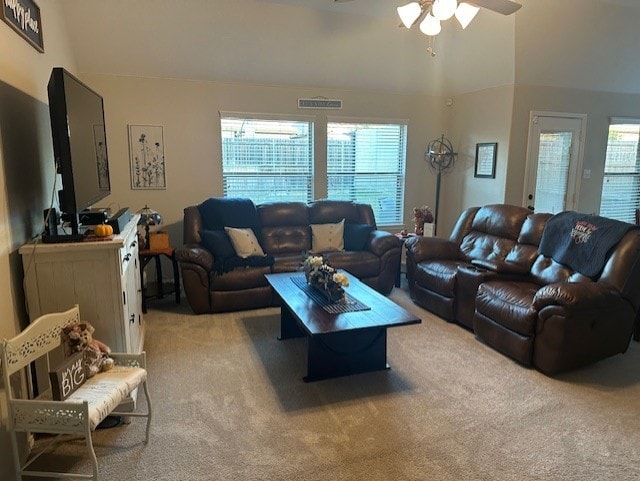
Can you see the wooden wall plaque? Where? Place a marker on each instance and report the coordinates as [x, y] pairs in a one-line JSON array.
[[24, 17], [68, 376]]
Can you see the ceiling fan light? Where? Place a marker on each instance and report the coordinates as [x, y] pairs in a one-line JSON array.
[[409, 13], [444, 9], [465, 13], [430, 25]]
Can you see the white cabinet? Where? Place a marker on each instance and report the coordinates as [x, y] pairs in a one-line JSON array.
[[102, 277]]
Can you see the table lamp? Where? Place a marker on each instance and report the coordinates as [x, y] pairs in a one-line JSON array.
[[148, 217]]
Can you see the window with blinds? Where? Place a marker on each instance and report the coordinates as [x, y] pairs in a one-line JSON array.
[[621, 184], [267, 160], [554, 155], [366, 163]]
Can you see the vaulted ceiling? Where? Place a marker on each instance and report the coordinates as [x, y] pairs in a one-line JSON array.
[[358, 44]]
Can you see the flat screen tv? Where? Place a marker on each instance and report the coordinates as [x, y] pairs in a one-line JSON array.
[[79, 144]]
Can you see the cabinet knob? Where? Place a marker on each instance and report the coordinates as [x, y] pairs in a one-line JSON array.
[[132, 319]]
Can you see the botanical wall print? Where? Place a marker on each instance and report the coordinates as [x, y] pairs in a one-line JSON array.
[[100, 146], [146, 149]]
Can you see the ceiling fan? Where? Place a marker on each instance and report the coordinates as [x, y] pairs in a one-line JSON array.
[[428, 13], [505, 7]]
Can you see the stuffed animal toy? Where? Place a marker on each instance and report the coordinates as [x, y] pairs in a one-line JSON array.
[[79, 338]]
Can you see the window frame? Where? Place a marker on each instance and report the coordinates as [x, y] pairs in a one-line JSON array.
[[275, 117], [401, 180], [632, 173], [319, 149]]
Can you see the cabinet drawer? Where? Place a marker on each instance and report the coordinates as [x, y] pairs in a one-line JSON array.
[[129, 253]]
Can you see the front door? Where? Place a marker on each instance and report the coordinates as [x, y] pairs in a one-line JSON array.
[[554, 160]]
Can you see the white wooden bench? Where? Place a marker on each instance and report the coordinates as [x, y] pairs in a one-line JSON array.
[[81, 412]]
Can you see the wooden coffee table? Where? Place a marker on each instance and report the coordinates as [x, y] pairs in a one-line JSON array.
[[339, 344]]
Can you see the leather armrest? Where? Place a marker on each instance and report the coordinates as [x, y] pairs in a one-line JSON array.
[[382, 241], [583, 295], [500, 266], [423, 248], [195, 254]]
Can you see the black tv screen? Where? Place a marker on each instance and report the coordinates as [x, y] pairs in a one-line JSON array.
[[79, 143]]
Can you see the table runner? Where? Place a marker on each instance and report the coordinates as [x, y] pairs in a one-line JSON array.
[[350, 304]]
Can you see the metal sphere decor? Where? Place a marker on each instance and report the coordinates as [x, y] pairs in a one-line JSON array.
[[440, 155]]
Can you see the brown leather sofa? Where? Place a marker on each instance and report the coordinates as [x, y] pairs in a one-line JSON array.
[[489, 276], [284, 232]]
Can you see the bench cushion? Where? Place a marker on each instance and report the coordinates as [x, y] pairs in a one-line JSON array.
[[106, 390]]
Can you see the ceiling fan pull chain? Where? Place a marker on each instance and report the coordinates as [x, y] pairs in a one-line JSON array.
[[430, 48]]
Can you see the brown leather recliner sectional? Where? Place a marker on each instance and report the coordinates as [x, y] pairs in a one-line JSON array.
[[284, 233], [489, 276]]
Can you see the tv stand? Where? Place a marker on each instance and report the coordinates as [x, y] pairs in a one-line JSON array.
[[103, 277]]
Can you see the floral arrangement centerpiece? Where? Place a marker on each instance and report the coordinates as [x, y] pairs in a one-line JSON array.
[[420, 216], [325, 278]]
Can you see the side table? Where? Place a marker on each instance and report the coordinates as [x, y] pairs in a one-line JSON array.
[[158, 290], [402, 260]]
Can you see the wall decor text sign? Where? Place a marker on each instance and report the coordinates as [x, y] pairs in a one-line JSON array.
[[24, 17]]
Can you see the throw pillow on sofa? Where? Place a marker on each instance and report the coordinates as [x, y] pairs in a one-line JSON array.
[[327, 237], [244, 242], [356, 236]]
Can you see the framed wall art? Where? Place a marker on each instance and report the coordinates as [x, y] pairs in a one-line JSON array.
[[146, 152], [486, 154], [24, 17]]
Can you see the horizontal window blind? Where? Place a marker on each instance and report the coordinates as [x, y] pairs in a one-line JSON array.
[[621, 184], [366, 163], [267, 160], [553, 171]]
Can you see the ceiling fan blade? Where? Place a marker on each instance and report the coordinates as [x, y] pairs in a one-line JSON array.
[[505, 7]]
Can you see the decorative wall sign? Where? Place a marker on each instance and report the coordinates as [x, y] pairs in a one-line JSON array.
[[24, 17], [68, 376], [486, 155], [146, 152], [320, 103]]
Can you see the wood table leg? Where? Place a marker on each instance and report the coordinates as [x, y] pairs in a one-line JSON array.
[[159, 277], [289, 327], [345, 353], [176, 277]]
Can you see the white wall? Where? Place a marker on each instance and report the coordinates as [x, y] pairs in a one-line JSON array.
[[476, 117], [26, 164], [189, 112], [599, 107], [578, 44]]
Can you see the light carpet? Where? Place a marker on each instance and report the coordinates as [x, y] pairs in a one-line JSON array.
[[230, 403]]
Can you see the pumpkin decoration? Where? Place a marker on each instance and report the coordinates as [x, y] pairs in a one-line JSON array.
[[103, 230]]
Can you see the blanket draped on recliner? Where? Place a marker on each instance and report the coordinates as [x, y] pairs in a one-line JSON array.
[[220, 212], [582, 242]]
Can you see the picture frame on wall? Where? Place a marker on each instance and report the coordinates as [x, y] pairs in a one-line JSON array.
[[486, 155], [146, 153], [23, 16]]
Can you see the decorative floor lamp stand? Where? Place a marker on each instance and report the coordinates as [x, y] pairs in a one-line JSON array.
[[440, 157]]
